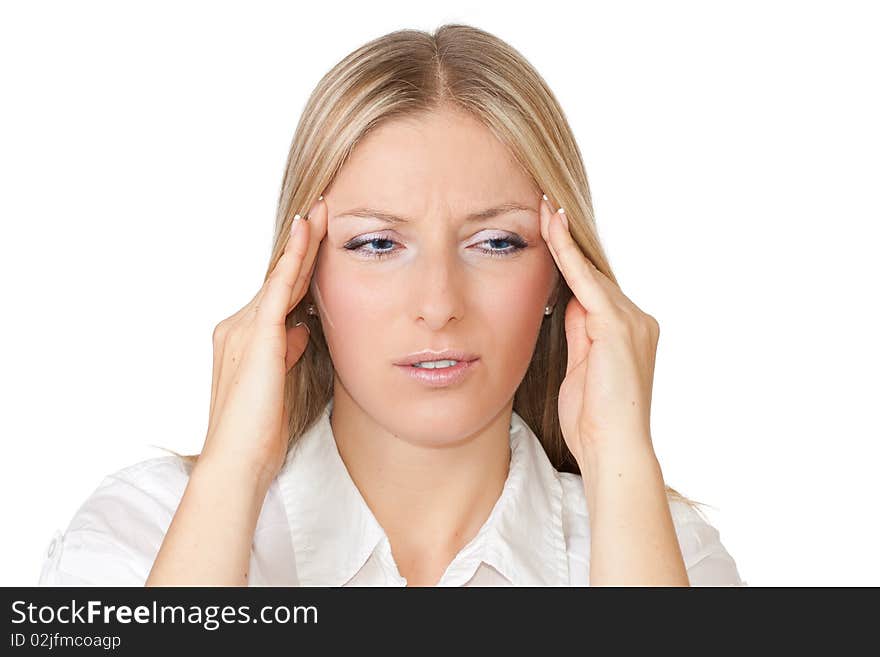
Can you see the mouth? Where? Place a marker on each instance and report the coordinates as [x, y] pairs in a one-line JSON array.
[[439, 373], [429, 358]]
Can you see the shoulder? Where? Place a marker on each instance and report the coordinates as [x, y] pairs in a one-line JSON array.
[[149, 490], [707, 561], [116, 532], [159, 472]]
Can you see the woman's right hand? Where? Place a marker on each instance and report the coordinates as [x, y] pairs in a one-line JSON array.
[[253, 352]]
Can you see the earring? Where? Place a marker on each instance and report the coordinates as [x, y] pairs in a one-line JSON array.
[[311, 310], [548, 310]]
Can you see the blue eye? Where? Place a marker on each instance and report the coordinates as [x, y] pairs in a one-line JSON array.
[[356, 246], [516, 244]]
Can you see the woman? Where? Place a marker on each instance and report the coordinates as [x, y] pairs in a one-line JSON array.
[[438, 383]]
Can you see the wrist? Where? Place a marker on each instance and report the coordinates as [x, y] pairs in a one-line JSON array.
[[241, 473], [593, 459], [613, 479]]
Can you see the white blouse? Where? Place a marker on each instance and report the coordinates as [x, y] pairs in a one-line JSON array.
[[315, 529]]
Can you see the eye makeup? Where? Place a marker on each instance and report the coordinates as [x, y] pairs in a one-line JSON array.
[[515, 244]]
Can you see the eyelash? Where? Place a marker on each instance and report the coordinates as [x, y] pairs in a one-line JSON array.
[[518, 245]]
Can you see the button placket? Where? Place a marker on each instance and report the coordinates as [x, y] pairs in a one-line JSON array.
[[387, 558]]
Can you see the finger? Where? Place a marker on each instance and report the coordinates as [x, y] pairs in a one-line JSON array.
[[288, 244], [581, 275], [546, 217], [543, 220], [274, 305], [577, 338], [544, 223], [318, 217]]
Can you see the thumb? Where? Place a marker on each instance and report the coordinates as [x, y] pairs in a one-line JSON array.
[[577, 341], [297, 341]]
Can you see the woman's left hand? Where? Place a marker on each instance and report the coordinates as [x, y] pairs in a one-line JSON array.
[[605, 398]]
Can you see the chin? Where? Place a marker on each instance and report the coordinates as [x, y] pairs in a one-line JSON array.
[[437, 420]]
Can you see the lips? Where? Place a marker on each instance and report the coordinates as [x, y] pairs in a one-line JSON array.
[[430, 354], [443, 377]]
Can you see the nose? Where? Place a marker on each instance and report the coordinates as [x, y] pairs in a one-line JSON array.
[[437, 287]]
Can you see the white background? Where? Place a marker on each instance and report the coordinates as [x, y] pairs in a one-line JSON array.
[[733, 152]]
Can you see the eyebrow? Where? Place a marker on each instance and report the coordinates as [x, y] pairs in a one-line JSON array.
[[482, 215]]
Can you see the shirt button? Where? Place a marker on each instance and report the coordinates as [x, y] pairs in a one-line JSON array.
[[52, 546]]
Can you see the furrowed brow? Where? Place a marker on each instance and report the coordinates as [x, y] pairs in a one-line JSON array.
[[475, 217]]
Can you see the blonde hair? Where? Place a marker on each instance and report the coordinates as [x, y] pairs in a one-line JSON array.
[[407, 73]]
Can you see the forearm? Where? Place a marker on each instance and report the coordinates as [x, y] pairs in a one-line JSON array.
[[632, 536], [209, 540]]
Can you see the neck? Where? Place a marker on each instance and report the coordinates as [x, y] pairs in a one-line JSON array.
[[430, 492]]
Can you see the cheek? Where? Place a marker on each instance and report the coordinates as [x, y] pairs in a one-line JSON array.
[[355, 305], [512, 310], [353, 293]]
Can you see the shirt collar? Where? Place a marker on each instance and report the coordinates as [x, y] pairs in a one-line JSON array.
[[334, 532]]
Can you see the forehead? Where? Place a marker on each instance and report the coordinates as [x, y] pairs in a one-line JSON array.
[[442, 159]]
